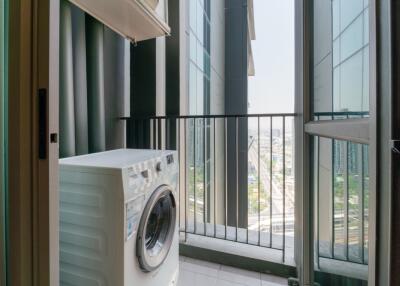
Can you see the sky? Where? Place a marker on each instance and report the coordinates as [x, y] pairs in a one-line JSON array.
[[271, 90]]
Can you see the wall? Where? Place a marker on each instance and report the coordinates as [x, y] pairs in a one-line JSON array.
[[217, 101], [236, 100], [3, 130]]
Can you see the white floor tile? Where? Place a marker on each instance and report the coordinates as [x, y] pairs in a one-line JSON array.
[[240, 276], [228, 283], [271, 280], [201, 273], [200, 266]]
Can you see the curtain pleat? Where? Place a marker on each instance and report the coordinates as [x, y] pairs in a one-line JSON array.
[[95, 65], [67, 113], [116, 88], [94, 84], [80, 81]]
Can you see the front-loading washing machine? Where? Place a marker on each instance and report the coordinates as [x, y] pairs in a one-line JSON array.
[[118, 219]]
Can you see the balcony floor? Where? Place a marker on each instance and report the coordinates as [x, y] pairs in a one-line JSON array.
[[201, 273]]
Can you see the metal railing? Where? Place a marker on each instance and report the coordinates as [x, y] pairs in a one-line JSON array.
[[236, 174], [347, 239], [237, 181]]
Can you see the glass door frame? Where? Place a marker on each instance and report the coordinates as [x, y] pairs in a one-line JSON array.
[[3, 138], [33, 211], [362, 131]]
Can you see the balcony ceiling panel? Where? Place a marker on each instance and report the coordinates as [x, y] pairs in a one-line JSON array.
[[136, 20]]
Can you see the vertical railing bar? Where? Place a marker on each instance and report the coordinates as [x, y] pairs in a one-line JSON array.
[[167, 144], [194, 176], [226, 175], [347, 202], [284, 186], [165, 136], [156, 121], [159, 127], [270, 185], [317, 198], [151, 133], [154, 133], [145, 145], [185, 178], [259, 181], [215, 183], [362, 204], [333, 240], [204, 178], [178, 148], [237, 175], [347, 198], [247, 216]]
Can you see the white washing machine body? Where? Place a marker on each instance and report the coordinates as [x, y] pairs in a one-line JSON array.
[[118, 219]]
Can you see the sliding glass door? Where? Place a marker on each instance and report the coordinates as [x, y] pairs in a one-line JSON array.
[[342, 170], [3, 137]]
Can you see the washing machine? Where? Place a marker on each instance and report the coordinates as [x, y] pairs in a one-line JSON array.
[[118, 219]]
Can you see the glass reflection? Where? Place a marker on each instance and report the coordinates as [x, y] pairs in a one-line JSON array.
[[341, 59]]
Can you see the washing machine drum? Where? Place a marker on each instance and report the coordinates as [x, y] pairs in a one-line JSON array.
[[156, 229]]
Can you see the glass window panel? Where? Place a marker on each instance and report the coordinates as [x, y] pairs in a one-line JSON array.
[[323, 165], [351, 39], [339, 199], [193, 47], [366, 26], [336, 89], [336, 52], [323, 86], [351, 76], [335, 18], [200, 56], [355, 202], [365, 200], [192, 88], [192, 14], [341, 202], [200, 94], [341, 74], [200, 24], [349, 10], [365, 103]]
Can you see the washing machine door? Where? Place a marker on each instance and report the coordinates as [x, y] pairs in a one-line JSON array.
[[156, 229]]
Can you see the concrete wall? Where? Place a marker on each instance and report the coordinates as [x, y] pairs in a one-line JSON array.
[[236, 99], [217, 57], [217, 102]]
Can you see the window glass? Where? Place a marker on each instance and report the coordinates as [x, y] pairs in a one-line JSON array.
[[349, 10], [341, 61], [341, 195], [351, 84], [200, 59]]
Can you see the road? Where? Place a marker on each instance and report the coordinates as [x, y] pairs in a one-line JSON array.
[[277, 191]]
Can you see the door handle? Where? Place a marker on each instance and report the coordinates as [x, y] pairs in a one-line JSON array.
[[42, 122], [395, 146]]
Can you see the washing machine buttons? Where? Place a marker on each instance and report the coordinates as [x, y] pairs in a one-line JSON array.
[[145, 174], [159, 167]]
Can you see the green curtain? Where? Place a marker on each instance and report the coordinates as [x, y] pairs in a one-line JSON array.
[[94, 84], [3, 137]]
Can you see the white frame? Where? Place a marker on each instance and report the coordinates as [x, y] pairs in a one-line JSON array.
[[33, 183], [360, 131]]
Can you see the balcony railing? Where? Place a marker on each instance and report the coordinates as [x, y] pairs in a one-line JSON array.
[[237, 179], [236, 174]]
